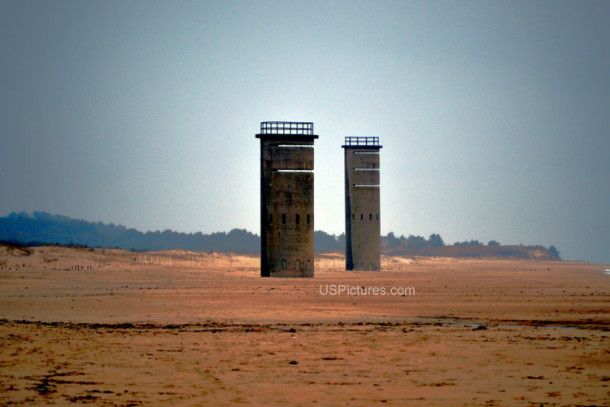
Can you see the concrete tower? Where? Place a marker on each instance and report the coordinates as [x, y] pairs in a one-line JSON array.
[[287, 246], [362, 221]]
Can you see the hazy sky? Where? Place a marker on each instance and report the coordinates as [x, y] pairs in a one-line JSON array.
[[494, 116]]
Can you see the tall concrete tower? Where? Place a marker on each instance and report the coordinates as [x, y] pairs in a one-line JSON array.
[[287, 246], [362, 222]]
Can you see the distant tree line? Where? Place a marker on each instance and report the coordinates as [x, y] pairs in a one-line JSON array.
[[411, 242], [43, 228]]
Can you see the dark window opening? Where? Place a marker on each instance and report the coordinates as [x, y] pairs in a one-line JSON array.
[[283, 218], [353, 216], [370, 216], [270, 219], [298, 219], [361, 217], [308, 219]]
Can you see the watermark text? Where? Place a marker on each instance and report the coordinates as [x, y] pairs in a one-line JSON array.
[[355, 290]]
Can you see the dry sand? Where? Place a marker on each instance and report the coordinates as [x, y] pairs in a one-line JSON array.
[[181, 328]]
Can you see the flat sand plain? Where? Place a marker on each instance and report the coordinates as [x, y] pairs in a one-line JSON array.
[[181, 328]]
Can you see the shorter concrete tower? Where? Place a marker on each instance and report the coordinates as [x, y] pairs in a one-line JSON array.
[[362, 198], [287, 230]]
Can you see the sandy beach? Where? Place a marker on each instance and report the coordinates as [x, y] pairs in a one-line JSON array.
[[111, 327]]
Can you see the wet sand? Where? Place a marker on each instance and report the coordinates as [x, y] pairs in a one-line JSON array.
[[180, 328]]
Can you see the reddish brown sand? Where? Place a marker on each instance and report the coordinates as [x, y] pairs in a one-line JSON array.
[[115, 328]]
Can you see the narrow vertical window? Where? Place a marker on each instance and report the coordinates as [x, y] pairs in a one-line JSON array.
[[353, 216], [283, 218], [370, 216], [298, 219], [270, 219], [361, 217], [283, 264], [308, 219]]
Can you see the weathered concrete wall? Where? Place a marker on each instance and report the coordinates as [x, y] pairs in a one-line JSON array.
[[362, 203], [287, 198]]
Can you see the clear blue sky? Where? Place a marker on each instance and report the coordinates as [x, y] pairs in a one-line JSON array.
[[493, 115]]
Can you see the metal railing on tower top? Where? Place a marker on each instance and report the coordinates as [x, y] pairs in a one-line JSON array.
[[362, 141], [297, 128]]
